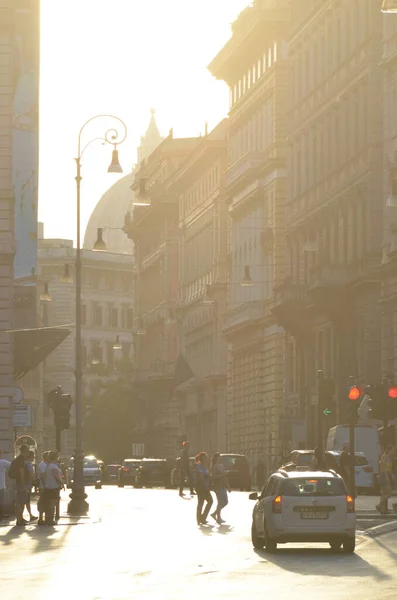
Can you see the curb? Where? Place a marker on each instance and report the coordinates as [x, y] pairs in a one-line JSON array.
[[380, 529]]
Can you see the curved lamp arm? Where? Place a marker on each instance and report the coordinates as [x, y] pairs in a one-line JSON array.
[[110, 137]]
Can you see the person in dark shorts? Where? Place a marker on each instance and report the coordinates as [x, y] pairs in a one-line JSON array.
[[21, 482], [29, 486], [186, 472], [203, 488]]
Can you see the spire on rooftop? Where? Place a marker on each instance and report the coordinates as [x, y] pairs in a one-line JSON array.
[[151, 139]]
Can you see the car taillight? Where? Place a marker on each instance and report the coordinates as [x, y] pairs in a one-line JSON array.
[[277, 505], [125, 470], [368, 469], [350, 504]]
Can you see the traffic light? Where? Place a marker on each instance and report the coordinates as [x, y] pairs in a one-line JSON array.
[[383, 401], [60, 404], [62, 412], [354, 394]]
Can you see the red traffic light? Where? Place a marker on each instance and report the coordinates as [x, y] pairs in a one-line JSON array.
[[354, 393], [392, 391]]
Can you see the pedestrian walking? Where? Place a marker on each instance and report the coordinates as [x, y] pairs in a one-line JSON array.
[[318, 463], [203, 488], [385, 479], [19, 472], [260, 474], [4, 466], [220, 486], [52, 486], [41, 469], [186, 472], [346, 469], [29, 484]]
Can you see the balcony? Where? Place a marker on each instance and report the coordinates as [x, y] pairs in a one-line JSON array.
[[244, 315], [243, 169], [328, 286], [290, 304]]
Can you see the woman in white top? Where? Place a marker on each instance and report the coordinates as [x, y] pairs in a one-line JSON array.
[[52, 486]]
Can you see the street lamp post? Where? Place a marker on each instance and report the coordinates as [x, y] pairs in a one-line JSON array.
[[78, 504]]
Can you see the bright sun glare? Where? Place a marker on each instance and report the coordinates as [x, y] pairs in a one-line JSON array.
[[122, 57]]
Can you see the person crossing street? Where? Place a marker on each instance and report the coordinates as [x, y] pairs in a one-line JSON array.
[[186, 472]]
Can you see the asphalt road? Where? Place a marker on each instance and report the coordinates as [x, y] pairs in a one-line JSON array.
[[147, 545]]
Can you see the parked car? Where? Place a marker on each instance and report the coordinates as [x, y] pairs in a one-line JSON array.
[[91, 471], [298, 460], [153, 472], [237, 470], [127, 472], [304, 507], [112, 473]]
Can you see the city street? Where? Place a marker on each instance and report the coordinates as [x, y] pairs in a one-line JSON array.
[[146, 544]]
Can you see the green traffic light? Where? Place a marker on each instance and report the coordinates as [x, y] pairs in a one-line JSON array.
[[327, 412]]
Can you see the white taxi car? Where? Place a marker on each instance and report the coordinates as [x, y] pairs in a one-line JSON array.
[[304, 506]]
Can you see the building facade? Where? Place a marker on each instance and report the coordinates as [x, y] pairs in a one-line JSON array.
[[107, 320], [389, 258], [154, 231], [328, 304], [254, 65], [199, 186]]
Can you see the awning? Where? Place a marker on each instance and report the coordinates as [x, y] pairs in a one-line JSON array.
[[32, 346]]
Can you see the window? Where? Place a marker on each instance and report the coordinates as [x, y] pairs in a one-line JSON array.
[[130, 316], [96, 353], [97, 315], [319, 486], [113, 321], [110, 354]]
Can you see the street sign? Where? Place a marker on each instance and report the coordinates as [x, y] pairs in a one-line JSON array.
[[22, 415], [138, 450]]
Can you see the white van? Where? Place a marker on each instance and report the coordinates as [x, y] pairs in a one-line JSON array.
[[366, 440]]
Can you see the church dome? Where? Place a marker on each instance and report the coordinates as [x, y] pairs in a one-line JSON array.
[[109, 215]]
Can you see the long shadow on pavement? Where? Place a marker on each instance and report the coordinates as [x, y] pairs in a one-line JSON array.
[[337, 565], [44, 536], [385, 547]]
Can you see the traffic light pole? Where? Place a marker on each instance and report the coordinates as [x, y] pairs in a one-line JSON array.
[[352, 441], [58, 439], [320, 380]]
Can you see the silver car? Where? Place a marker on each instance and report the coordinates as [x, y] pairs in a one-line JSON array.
[[304, 506], [91, 471]]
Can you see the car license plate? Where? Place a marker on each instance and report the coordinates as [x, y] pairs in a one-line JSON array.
[[314, 515]]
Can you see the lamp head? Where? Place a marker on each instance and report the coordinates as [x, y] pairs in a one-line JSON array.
[[99, 245], [247, 279], [142, 198], [115, 166], [45, 296], [66, 277], [117, 345]]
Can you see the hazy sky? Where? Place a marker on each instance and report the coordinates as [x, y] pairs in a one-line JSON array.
[[122, 57]]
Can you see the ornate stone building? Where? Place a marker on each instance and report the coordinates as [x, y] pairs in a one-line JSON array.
[[154, 231], [203, 273], [389, 260], [328, 304], [107, 318], [254, 65]]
